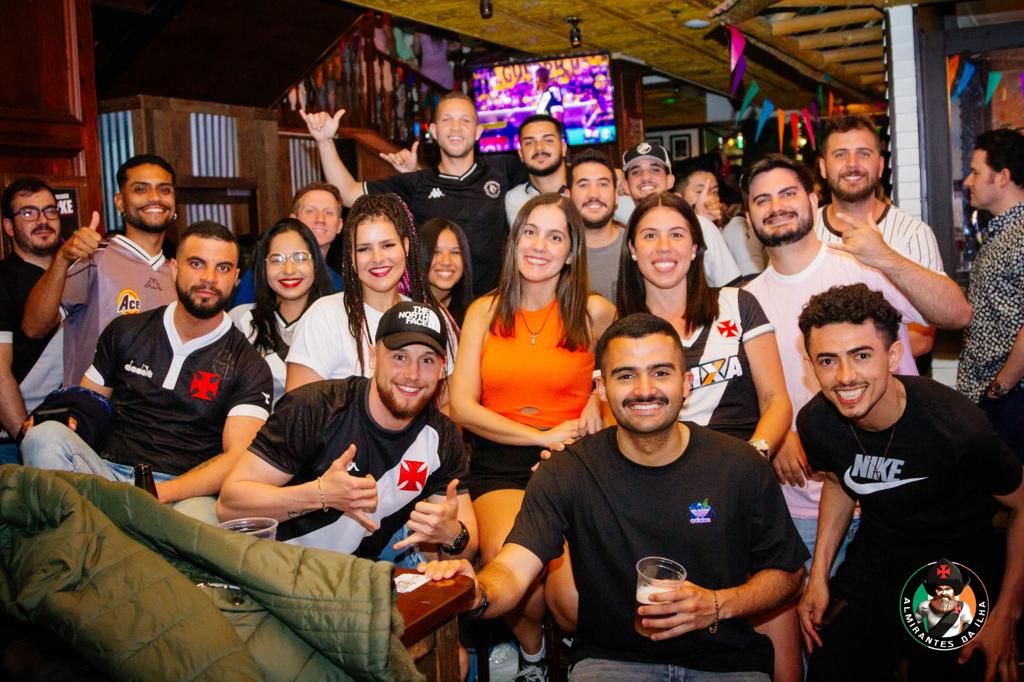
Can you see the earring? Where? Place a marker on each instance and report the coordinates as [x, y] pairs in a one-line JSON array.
[[633, 256], [693, 257], [174, 217]]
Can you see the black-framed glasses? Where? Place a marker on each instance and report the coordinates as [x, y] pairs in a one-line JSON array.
[[32, 212], [278, 260]]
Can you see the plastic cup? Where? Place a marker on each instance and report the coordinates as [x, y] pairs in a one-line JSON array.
[[258, 526], [654, 574]]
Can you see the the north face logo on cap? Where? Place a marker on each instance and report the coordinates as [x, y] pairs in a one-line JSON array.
[[422, 317], [643, 148]]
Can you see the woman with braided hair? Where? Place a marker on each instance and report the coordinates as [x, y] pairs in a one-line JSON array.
[[380, 264]]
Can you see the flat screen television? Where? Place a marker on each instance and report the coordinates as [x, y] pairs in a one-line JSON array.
[[577, 90]]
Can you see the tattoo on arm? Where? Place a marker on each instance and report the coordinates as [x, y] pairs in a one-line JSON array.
[[295, 513]]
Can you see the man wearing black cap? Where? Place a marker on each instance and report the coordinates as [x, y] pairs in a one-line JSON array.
[[648, 170], [944, 614], [343, 464]]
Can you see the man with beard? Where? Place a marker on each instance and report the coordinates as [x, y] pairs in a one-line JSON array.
[[944, 615], [928, 471], [343, 464], [543, 151], [29, 368], [652, 486], [851, 162], [91, 282], [188, 390], [462, 189], [781, 205], [592, 190], [648, 171]]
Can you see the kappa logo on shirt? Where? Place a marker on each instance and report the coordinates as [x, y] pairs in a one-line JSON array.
[[152, 283], [128, 303], [412, 475], [728, 329], [204, 385], [435, 193], [492, 188]]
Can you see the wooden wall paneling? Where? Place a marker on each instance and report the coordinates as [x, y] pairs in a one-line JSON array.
[[48, 123], [258, 160]]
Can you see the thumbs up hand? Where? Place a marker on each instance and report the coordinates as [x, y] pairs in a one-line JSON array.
[[436, 523], [353, 495]]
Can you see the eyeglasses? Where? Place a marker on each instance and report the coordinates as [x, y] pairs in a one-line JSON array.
[[32, 212], [277, 260]]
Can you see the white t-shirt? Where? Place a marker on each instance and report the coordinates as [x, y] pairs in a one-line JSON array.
[[719, 266], [323, 342], [745, 247], [783, 297], [242, 318], [907, 235]]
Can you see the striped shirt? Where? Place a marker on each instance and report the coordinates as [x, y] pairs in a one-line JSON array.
[[907, 235]]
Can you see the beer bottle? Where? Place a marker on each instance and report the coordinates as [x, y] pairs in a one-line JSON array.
[[144, 478]]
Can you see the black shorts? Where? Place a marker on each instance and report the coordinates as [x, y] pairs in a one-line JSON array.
[[496, 466]]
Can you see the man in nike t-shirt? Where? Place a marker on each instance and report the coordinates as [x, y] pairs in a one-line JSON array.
[[928, 471]]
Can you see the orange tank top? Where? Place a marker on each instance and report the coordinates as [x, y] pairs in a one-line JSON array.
[[517, 374]]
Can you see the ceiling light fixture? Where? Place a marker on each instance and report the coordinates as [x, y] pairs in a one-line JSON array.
[[486, 9], [575, 35], [696, 24]]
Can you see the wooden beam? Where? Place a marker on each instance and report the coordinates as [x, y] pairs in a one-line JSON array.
[[871, 78], [869, 66], [794, 4], [815, 22], [852, 54], [833, 38]]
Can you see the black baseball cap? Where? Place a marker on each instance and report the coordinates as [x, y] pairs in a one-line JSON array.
[[645, 150], [408, 322]]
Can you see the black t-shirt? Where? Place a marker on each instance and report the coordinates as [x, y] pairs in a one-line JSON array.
[[171, 399], [717, 510], [17, 278], [475, 201], [313, 425], [926, 496]]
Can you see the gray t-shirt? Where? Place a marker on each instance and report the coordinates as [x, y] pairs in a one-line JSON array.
[[603, 266]]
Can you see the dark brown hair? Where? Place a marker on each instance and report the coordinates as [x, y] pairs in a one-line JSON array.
[[573, 285], [631, 291], [844, 124], [853, 304]]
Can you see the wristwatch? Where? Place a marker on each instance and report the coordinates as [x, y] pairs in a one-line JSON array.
[[762, 447], [997, 389], [484, 603], [458, 544]]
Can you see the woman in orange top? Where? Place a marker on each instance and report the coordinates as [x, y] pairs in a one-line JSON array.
[[523, 377]]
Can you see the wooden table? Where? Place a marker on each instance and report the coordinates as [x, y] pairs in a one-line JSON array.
[[431, 629]]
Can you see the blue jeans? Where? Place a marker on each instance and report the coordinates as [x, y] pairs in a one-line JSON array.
[[54, 446], [9, 454], [808, 529], [602, 670]]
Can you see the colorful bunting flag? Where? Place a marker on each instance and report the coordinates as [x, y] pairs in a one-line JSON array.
[[747, 99], [737, 75], [993, 82], [815, 112], [794, 127], [952, 64], [831, 103], [780, 116], [810, 128], [737, 43], [965, 79], [766, 111]]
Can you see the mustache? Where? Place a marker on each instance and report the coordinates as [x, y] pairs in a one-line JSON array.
[[653, 398], [780, 214]]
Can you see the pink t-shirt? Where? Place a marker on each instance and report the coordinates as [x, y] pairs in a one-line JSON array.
[[783, 298]]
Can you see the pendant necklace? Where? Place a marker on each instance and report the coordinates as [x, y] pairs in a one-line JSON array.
[[533, 334], [864, 452]]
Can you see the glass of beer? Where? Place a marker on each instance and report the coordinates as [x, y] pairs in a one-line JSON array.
[[256, 526], [654, 574]]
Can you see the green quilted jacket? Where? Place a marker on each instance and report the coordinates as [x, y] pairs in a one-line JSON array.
[[114, 573]]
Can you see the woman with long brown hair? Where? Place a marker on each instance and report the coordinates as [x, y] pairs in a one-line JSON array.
[[523, 378]]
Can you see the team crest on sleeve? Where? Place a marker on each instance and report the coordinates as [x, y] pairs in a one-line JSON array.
[[128, 303], [944, 605], [492, 188], [412, 475], [204, 385]]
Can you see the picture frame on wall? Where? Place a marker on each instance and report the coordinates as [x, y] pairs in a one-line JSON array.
[[684, 144]]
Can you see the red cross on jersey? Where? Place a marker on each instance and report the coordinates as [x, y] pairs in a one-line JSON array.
[[728, 329], [412, 475]]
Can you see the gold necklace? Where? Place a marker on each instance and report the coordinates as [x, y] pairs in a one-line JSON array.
[[533, 334]]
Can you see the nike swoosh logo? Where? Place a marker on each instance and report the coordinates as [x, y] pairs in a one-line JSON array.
[[868, 488]]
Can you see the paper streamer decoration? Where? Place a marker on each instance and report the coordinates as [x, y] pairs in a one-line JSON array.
[[737, 43], [831, 103], [766, 111], [794, 127], [993, 82], [780, 115], [810, 128], [747, 99], [952, 64], [815, 111], [821, 101], [965, 79], [737, 75]]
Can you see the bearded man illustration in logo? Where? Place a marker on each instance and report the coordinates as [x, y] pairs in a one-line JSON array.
[[944, 615]]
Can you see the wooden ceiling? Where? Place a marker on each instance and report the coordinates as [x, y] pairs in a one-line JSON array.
[[792, 45]]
